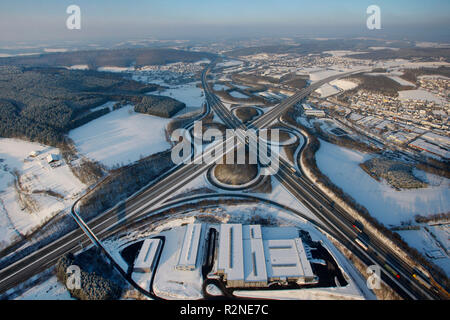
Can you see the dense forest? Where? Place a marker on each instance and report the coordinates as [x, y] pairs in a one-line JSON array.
[[315, 46], [160, 106], [101, 58], [99, 280], [377, 84], [412, 74], [42, 104], [424, 54]]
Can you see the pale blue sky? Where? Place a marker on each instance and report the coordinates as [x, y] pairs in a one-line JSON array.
[[31, 19]]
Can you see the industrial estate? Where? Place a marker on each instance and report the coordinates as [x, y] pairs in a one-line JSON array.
[[346, 196]]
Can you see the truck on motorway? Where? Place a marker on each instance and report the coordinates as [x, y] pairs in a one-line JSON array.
[[358, 226], [361, 244], [420, 278], [392, 271]]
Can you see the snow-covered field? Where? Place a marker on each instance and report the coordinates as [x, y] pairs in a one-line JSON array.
[[79, 67], [341, 53], [327, 90], [219, 87], [322, 74], [401, 81], [383, 202], [121, 137], [229, 63], [189, 94], [50, 289], [425, 243], [175, 284], [420, 95], [344, 84], [35, 175], [170, 282], [115, 69], [238, 95]]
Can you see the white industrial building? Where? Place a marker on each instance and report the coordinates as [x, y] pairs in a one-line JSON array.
[[254, 256], [145, 261], [187, 259], [310, 111]]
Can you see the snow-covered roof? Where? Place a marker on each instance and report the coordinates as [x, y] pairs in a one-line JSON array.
[[146, 257], [231, 251], [189, 250], [254, 261], [253, 254], [286, 258], [52, 157]]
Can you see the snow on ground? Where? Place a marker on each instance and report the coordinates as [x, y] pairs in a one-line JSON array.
[[121, 137], [203, 60], [53, 50], [175, 284], [35, 175], [433, 76], [189, 94], [219, 87], [229, 63], [339, 293], [109, 105], [386, 204], [79, 67], [115, 69], [241, 86], [50, 289], [280, 195], [342, 53], [420, 95], [327, 90], [401, 81], [238, 95], [425, 243], [344, 84], [322, 74], [384, 48], [170, 282]]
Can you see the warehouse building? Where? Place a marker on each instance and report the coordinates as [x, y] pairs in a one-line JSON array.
[[231, 251], [187, 259], [254, 256], [146, 259]]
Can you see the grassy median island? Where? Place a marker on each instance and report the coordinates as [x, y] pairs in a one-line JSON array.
[[398, 174], [283, 136], [236, 174], [246, 114]]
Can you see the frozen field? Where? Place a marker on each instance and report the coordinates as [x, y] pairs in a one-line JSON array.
[[171, 283], [121, 137], [344, 84], [229, 63], [189, 94], [401, 81], [115, 69], [420, 95], [327, 90], [322, 74], [219, 87], [35, 175], [50, 289], [436, 250], [238, 95], [385, 203]]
